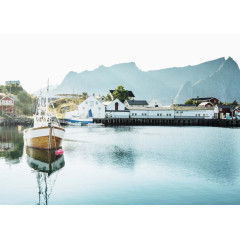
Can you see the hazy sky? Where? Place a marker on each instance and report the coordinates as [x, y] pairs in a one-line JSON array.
[[33, 59]]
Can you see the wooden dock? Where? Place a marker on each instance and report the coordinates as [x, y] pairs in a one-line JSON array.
[[169, 122]]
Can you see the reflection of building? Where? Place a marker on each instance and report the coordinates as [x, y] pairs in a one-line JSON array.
[[4, 146], [6, 139]]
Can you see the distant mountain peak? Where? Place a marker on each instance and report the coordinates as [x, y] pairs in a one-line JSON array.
[[219, 77]]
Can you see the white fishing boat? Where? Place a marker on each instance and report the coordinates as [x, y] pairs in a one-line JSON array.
[[46, 132]]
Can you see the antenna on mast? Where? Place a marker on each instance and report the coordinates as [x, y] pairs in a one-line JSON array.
[[47, 95]]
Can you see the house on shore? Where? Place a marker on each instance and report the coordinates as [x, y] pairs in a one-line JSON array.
[[136, 103], [236, 112], [116, 109], [91, 103], [212, 100], [7, 105], [17, 82], [156, 112], [205, 104], [194, 112], [223, 111], [155, 103]]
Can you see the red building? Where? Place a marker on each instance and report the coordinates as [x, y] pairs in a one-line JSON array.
[[236, 111], [7, 105]]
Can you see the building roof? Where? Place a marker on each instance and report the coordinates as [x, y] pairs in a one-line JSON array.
[[203, 104], [130, 93], [202, 99], [137, 102], [6, 97], [227, 106], [171, 108], [126, 110], [184, 105], [106, 103]]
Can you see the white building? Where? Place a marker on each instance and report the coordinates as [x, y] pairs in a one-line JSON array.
[[151, 112], [97, 109], [155, 103], [194, 112], [116, 109]]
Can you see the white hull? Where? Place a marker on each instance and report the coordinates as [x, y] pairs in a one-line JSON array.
[[44, 137]]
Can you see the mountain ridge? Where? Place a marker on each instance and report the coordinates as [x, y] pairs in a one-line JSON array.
[[178, 83]]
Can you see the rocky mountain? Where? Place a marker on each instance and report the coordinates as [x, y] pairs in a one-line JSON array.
[[223, 84], [219, 78]]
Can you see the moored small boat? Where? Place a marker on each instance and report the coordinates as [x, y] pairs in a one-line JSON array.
[[77, 120]]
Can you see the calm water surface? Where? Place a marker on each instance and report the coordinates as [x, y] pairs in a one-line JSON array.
[[124, 165]]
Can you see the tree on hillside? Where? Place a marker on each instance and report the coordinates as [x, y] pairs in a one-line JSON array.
[[191, 102], [108, 97], [120, 93], [84, 95]]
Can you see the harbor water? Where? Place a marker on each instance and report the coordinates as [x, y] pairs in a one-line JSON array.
[[124, 165]]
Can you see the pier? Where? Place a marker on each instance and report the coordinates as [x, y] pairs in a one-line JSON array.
[[16, 121], [168, 122]]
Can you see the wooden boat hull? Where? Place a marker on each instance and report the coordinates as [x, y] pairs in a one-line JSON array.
[[44, 137]]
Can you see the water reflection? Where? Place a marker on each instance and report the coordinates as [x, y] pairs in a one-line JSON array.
[[46, 166], [11, 144], [117, 156]]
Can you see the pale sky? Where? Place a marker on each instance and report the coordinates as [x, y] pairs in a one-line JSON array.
[[33, 59]]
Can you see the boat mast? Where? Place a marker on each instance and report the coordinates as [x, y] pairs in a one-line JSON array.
[[47, 98]]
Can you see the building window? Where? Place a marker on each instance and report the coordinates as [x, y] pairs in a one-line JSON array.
[[96, 102], [132, 114], [99, 108], [83, 108], [169, 114], [158, 114], [91, 103], [86, 102], [135, 114]]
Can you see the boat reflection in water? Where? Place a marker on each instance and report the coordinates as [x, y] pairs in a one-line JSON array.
[[46, 165]]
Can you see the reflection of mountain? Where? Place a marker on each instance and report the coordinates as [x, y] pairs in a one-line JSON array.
[[46, 165], [11, 144]]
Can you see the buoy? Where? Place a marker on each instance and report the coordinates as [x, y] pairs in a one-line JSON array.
[[58, 152], [19, 128]]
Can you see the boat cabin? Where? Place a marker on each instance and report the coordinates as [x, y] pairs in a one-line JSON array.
[[45, 121]]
